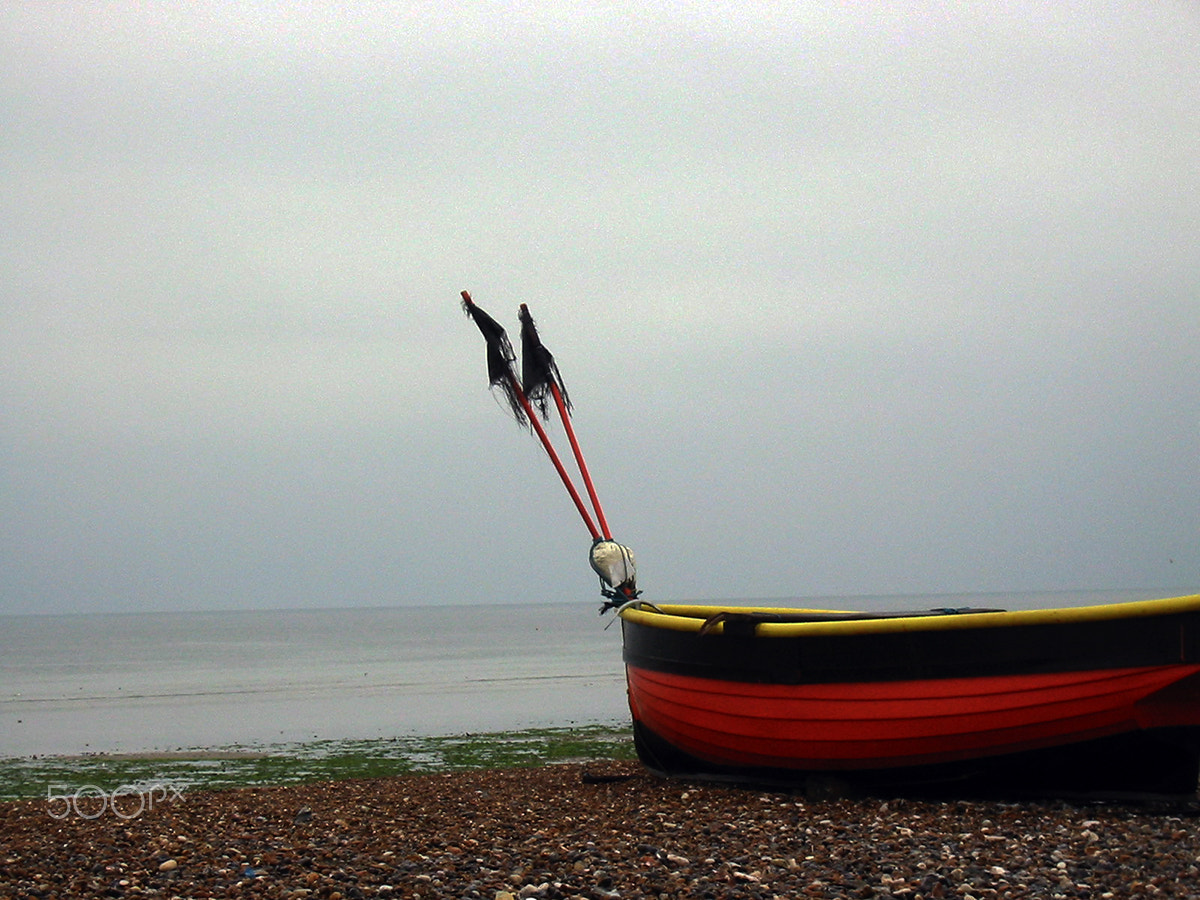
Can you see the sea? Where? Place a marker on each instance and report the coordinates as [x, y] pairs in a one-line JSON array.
[[175, 681]]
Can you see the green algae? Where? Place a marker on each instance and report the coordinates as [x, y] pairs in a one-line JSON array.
[[329, 760]]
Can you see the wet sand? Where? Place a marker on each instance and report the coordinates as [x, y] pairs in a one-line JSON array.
[[598, 830]]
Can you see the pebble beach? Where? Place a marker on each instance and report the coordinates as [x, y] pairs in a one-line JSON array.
[[599, 830]]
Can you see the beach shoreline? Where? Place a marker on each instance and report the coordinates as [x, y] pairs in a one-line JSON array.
[[600, 830]]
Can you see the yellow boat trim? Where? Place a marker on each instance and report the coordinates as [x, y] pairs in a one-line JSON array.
[[687, 617]]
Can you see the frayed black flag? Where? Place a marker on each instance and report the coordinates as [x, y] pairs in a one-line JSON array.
[[538, 369], [500, 357]]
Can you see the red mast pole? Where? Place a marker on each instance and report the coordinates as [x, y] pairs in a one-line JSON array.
[[583, 469], [558, 466]]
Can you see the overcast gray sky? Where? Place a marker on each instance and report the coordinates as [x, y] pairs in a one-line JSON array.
[[850, 297]]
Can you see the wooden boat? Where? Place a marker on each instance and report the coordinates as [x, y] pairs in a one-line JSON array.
[[1090, 698], [1102, 697]]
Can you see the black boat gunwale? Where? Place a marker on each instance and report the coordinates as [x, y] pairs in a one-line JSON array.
[[958, 645]]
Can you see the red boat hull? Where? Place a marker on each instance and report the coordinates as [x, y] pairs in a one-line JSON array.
[[877, 725], [1027, 694]]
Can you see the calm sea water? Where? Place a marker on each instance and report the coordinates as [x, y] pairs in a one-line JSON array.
[[163, 681]]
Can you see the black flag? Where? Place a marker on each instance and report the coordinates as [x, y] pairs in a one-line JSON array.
[[500, 357], [538, 369]]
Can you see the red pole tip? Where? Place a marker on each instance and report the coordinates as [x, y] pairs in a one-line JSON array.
[[467, 298]]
